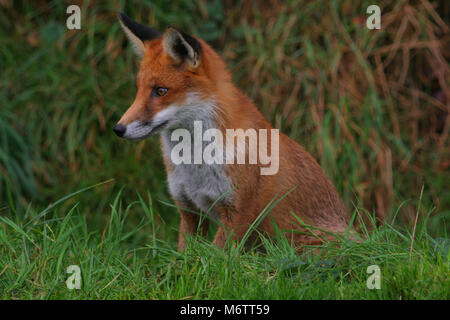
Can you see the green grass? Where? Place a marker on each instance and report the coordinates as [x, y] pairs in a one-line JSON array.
[[371, 113], [122, 261]]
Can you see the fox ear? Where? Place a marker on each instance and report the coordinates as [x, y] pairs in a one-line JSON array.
[[137, 33], [181, 46]]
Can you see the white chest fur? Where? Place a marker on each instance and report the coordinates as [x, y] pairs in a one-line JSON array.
[[204, 184]]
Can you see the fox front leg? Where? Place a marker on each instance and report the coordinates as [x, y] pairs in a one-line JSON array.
[[190, 224]]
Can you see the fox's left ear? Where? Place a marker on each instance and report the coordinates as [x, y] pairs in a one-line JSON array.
[[182, 47], [137, 33]]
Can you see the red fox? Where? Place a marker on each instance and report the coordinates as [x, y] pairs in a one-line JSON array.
[[183, 84]]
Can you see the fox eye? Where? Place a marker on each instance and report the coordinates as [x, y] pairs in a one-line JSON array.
[[159, 91]]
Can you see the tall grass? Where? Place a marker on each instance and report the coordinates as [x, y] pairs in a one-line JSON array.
[[127, 260], [16, 176]]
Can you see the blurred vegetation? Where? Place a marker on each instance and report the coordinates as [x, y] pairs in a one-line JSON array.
[[372, 106]]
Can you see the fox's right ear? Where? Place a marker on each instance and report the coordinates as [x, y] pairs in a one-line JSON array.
[[137, 33]]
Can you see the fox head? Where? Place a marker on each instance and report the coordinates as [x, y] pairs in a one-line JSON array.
[[178, 78]]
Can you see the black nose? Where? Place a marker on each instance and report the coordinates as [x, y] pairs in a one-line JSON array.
[[119, 129]]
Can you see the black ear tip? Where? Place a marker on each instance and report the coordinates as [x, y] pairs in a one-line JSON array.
[[139, 30], [122, 16]]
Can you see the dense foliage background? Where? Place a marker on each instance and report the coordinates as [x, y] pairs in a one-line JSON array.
[[371, 105]]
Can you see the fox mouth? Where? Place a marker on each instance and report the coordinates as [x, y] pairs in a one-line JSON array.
[[139, 130], [146, 129], [157, 128]]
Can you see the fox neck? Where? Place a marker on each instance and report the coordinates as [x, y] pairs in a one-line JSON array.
[[195, 110], [227, 109]]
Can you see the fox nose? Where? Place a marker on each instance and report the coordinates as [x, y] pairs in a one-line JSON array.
[[119, 129]]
